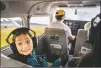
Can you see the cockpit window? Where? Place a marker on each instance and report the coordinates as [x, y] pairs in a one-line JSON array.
[[7, 25], [80, 13], [38, 23]]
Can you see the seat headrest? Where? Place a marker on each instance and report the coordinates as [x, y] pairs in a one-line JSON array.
[[14, 49]]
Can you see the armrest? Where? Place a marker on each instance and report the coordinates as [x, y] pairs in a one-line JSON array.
[[73, 57], [71, 60], [8, 62]]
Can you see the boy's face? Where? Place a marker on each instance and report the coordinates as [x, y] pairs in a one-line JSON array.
[[24, 44]]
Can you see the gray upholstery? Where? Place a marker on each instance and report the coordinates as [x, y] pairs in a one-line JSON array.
[[7, 62], [39, 49], [80, 39], [7, 50], [57, 39]]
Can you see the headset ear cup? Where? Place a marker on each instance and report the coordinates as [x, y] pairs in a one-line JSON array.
[[34, 39], [13, 47]]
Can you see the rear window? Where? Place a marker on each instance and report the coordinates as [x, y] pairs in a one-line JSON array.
[[7, 25], [8, 22]]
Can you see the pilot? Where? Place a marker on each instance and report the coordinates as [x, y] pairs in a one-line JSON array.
[[24, 45], [60, 15], [87, 26]]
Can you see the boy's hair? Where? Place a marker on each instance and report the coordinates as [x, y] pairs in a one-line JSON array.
[[21, 31]]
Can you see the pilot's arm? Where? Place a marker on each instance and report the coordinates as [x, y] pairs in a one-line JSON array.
[[71, 37], [69, 34]]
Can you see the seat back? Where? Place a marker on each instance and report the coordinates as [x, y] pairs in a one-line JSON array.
[[58, 41], [80, 39]]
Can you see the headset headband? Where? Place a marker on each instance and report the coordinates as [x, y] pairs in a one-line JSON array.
[[60, 12], [24, 29]]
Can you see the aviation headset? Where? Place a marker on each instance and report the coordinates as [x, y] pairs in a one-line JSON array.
[[23, 29], [60, 12]]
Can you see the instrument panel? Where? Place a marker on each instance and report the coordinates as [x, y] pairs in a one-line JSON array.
[[75, 25]]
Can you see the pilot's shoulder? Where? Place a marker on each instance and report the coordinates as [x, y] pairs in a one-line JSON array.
[[65, 25]]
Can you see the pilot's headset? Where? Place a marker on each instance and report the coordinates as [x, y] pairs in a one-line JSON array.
[[60, 13], [22, 30], [92, 32]]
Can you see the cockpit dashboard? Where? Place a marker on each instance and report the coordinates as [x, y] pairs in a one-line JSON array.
[[75, 25]]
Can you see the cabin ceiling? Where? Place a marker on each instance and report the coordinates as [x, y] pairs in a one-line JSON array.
[[12, 8]]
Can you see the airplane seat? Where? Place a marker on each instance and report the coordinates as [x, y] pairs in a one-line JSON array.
[[79, 45], [80, 40], [42, 46], [39, 48], [93, 59], [57, 41]]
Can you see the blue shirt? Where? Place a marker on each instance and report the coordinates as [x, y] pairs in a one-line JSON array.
[[34, 60]]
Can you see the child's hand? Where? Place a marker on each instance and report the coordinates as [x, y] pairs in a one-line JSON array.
[[40, 58]]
